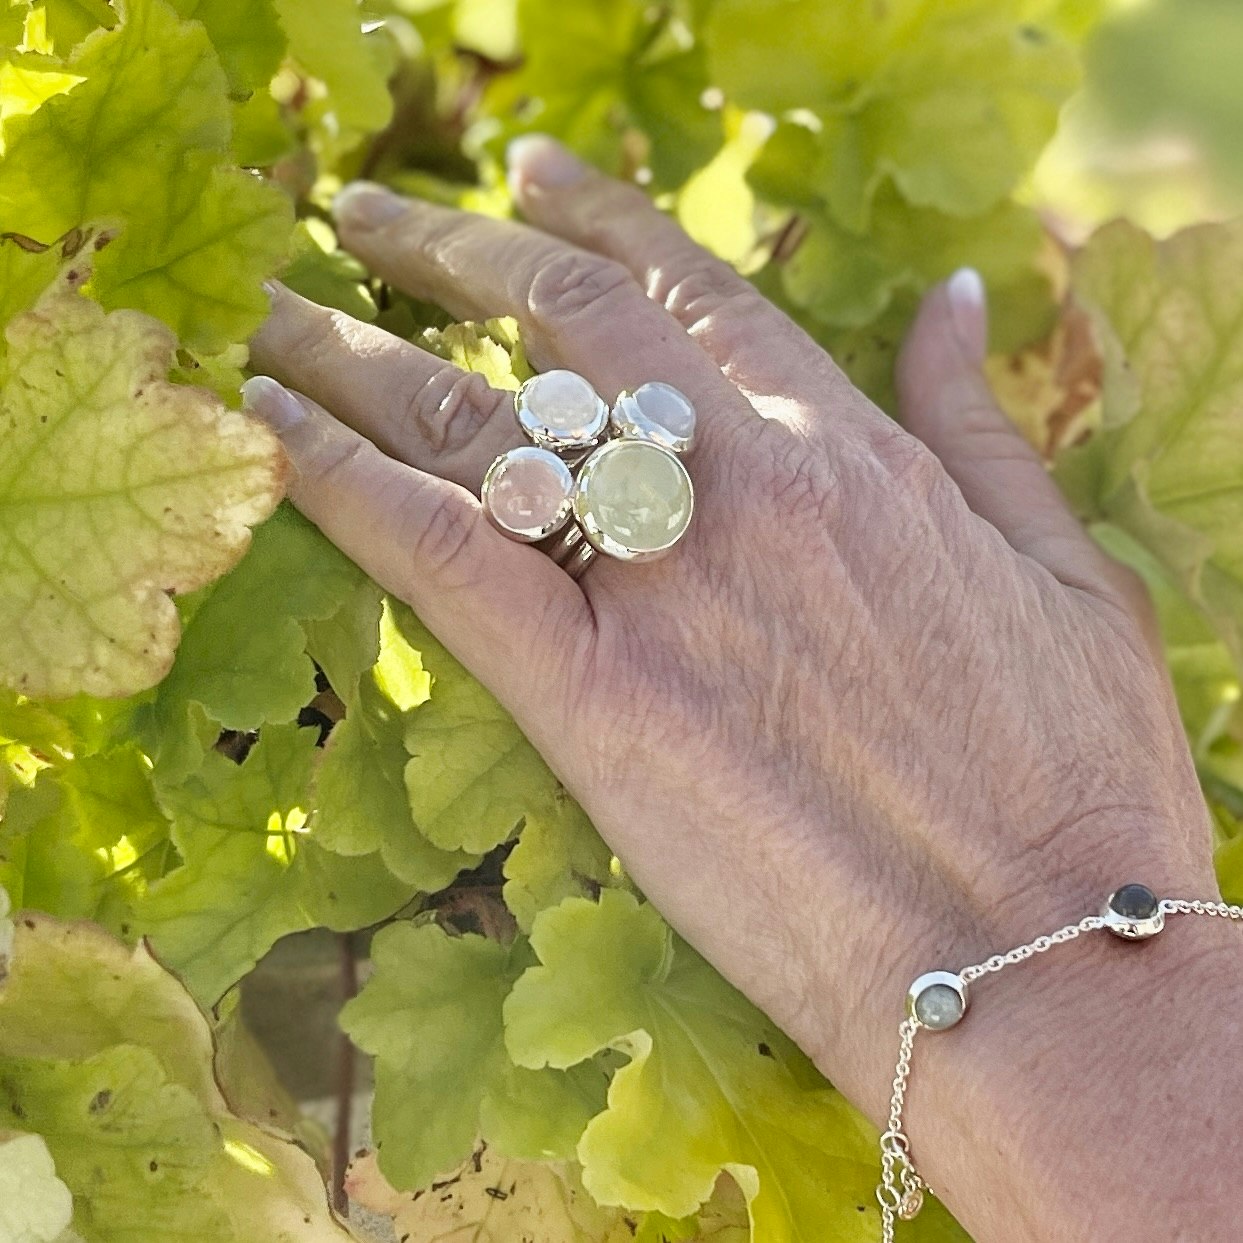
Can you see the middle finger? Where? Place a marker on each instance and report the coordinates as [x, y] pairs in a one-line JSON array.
[[576, 309]]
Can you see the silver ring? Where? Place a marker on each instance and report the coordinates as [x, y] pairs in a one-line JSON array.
[[592, 479]]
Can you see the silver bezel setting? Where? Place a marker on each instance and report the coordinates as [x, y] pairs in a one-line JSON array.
[[929, 980], [629, 420], [562, 441], [1133, 929], [528, 535], [600, 540]]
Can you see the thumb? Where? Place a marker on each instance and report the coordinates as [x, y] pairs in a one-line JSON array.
[[945, 401]]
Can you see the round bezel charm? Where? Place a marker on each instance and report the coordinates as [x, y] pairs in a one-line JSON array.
[[528, 493], [561, 412], [633, 499], [938, 1000], [1134, 913], [657, 412]]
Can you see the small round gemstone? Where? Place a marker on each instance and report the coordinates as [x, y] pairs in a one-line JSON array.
[[657, 412], [1134, 902], [634, 499], [560, 410], [938, 1006], [527, 493]]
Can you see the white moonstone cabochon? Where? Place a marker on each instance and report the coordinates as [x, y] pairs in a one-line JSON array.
[[561, 407], [635, 494], [527, 492], [657, 412]]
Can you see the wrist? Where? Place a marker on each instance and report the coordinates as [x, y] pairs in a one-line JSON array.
[[1089, 1094]]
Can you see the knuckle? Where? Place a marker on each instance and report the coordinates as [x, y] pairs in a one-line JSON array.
[[338, 461], [907, 463], [444, 539], [322, 331], [695, 292], [575, 282], [451, 406], [801, 484]]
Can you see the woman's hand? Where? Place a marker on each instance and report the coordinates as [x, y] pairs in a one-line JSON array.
[[885, 708]]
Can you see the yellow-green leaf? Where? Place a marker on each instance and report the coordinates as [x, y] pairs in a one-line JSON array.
[[116, 489]]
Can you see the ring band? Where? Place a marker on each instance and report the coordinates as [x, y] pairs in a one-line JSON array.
[[592, 479]]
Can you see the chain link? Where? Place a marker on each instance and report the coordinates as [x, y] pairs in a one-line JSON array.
[[901, 1189]]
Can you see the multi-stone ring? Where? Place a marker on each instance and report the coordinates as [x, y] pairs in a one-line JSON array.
[[594, 479]]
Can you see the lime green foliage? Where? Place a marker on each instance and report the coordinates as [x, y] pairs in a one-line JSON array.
[[361, 795], [326, 275], [252, 869], [105, 1058], [164, 495], [232, 674], [35, 1206], [92, 837], [325, 38], [431, 1015], [141, 146], [612, 976], [491, 348], [845, 155], [559, 855], [1167, 463], [471, 775], [70, 21], [594, 73], [246, 35]]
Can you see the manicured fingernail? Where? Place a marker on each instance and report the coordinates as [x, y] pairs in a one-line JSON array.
[[542, 161], [366, 205], [969, 307], [272, 402]]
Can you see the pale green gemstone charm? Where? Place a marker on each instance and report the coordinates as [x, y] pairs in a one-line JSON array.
[[938, 1000], [633, 499]]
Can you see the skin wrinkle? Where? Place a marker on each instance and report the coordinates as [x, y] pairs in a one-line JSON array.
[[856, 726]]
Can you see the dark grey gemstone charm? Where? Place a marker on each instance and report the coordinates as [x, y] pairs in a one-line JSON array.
[[1134, 913], [1134, 902]]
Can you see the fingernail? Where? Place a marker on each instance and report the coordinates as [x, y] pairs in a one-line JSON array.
[[542, 161], [366, 205], [272, 402], [969, 307]]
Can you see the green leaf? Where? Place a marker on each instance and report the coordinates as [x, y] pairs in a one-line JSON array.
[[112, 1122], [111, 1062], [35, 1206], [253, 871], [362, 802], [951, 101], [593, 74], [492, 348], [848, 280], [558, 855], [243, 672], [326, 39], [24, 275], [327, 275], [431, 1016], [1167, 465], [200, 275], [139, 145], [246, 35], [97, 838], [70, 21], [472, 775], [160, 484], [746, 1101]]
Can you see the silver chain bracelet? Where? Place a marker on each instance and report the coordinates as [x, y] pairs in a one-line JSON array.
[[937, 1001]]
